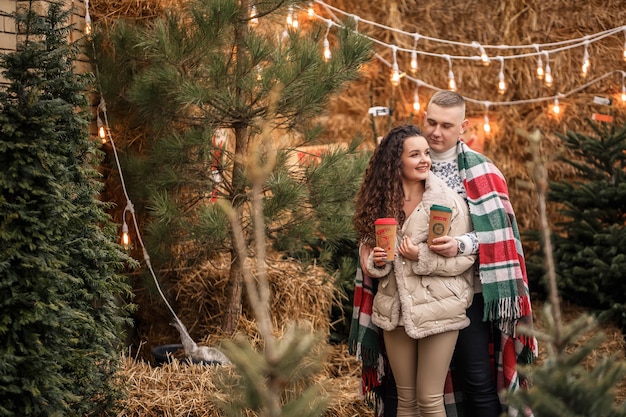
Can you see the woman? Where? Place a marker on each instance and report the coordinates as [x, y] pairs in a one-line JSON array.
[[422, 297]]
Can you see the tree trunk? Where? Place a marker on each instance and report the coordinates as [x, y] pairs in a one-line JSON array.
[[238, 196]]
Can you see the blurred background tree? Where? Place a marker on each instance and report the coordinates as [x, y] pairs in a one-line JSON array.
[[185, 93]]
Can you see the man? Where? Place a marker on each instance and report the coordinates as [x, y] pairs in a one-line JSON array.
[[501, 298]]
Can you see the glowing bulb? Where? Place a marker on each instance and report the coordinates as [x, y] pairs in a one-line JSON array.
[[254, 20], [102, 133], [548, 76], [87, 28], [327, 53], [292, 19], [125, 236], [395, 75], [484, 58], [486, 125], [501, 83], [540, 72], [416, 101], [623, 94], [586, 63], [624, 56], [556, 109], [414, 65], [451, 82], [311, 10]]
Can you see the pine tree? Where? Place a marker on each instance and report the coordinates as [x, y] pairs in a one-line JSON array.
[[60, 319], [590, 246], [204, 67], [564, 385]]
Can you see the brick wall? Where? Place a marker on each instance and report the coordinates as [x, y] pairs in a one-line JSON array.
[[8, 36]]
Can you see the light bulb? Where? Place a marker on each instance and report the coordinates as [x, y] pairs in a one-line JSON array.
[[254, 20], [290, 16], [311, 10], [624, 56], [540, 72], [586, 63], [451, 81], [102, 133], [414, 66], [125, 236], [327, 54], [556, 109], [395, 75], [623, 94], [501, 83], [486, 125], [548, 76], [416, 101]]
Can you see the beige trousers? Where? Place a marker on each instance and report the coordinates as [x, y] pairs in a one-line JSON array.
[[420, 367]]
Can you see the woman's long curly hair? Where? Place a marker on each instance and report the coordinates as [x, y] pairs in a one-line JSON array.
[[381, 193]]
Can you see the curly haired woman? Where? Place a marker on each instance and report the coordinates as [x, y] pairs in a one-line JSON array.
[[422, 297]]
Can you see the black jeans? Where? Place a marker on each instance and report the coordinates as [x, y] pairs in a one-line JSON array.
[[471, 358]]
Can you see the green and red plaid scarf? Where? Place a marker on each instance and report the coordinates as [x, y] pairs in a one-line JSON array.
[[501, 257]]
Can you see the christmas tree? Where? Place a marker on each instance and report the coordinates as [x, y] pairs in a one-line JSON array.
[[564, 384], [590, 243], [60, 312], [187, 93]]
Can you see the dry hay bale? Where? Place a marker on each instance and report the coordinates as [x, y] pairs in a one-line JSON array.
[[199, 299], [179, 389]]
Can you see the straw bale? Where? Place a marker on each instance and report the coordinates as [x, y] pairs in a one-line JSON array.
[[306, 294], [179, 389]]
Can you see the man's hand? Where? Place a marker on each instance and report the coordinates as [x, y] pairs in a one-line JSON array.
[[445, 246]]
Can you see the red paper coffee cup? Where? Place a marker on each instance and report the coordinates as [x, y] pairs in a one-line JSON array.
[[386, 235]]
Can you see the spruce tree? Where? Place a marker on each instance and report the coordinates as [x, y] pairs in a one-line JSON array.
[[60, 318], [205, 67], [565, 384], [590, 243]]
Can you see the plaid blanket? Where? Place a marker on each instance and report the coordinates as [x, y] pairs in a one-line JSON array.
[[505, 289]]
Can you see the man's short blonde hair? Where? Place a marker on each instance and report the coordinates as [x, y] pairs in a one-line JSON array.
[[447, 99]]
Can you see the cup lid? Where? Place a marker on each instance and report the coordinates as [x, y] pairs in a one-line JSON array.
[[440, 208], [386, 220]]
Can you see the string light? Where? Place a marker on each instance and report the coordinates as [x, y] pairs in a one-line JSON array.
[[547, 78], [623, 88], [501, 82], [414, 65], [416, 99], [556, 109], [87, 19], [292, 19], [327, 54], [254, 20], [540, 72], [486, 125], [586, 63], [395, 71], [483, 55], [125, 240], [102, 131], [451, 81]]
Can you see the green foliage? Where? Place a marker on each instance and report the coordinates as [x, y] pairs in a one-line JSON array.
[[290, 373], [60, 314], [590, 245], [563, 385]]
